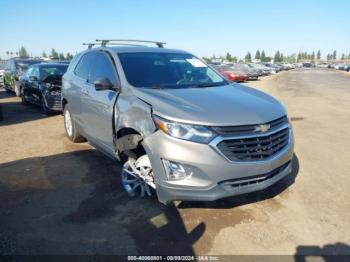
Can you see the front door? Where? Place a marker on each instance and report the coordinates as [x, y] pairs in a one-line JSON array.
[[98, 106]]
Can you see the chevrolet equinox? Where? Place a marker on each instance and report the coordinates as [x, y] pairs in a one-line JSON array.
[[179, 128]]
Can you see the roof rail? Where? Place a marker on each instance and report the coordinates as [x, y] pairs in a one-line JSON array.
[[104, 42], [90, 45]]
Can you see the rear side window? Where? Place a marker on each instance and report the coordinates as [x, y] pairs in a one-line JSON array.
[[103, 68], [83, 68]]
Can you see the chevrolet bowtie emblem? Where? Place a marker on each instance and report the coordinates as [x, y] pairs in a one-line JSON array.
[[262, 128]]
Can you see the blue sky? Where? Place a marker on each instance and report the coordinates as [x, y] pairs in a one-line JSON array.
[[202, 27]]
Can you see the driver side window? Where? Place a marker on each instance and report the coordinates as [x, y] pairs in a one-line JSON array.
[[103, 68]]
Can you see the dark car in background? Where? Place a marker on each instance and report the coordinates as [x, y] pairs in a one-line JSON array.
[[252, 73], [14, 69], [41, 85], [274, 67], [263, 70]]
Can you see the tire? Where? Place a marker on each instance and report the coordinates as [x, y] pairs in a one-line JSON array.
[[69, 126], [24, 100], [132, 182], [17, 88]]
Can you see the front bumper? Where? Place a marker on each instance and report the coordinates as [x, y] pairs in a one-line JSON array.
[[53, 101], [212, 175]]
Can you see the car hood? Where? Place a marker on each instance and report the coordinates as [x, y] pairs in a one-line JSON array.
[[213, 106]]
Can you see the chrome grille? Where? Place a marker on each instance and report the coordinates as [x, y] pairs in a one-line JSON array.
[[255, 148], [248, 129]]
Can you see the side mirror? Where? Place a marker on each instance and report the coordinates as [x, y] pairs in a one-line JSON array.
[[103, 84], [33, 78]]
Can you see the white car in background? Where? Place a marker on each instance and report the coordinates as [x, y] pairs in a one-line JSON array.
[[1, 76]]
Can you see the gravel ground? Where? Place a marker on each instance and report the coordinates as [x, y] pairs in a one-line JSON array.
[[63, 198]]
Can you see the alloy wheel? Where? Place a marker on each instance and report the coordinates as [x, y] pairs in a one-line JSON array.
[[137, 177]]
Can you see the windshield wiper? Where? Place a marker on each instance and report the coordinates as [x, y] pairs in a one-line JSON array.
[[209, 84]]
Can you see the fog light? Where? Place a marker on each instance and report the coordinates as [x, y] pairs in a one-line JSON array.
[[174, 171]]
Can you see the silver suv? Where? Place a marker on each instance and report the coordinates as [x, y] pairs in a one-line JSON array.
[[179, 128]]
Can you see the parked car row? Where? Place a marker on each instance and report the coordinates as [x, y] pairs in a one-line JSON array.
[[240, 72], [180, 129], [36, 81], [340, 66], [344, 66]]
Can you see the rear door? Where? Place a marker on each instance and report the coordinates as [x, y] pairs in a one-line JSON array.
[[78, 89], [98, 105], [25, 83]]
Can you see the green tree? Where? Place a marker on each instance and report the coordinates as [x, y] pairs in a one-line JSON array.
[[206, 59], [61, 56], [277, 57], [54, 54], [299, 57], [8, 53], [248, 57], [318, 55], [257, 54], [342, 56], [228, 57], [263, 56], [313, 56], [282, 57], [290, 59], [69, 56], [44, 54], [334, 55], [22, 53], [234, 59]]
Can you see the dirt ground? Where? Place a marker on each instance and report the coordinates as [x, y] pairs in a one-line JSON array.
[[62, 198]]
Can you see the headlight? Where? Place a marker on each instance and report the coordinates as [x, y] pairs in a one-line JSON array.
[[193, 133]]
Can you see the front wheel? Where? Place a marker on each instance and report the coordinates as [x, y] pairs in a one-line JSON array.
[[137, 177], [69, 125]]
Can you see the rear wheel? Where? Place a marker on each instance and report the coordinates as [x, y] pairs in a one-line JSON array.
[[137, 177], [17, 88], [69, 125], [23, 98]]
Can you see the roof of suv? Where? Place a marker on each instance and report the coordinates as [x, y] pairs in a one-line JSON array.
[[142, 49]]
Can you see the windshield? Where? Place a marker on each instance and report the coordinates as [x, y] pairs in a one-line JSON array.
[[165, 70], [24, 64], [52, 71]]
